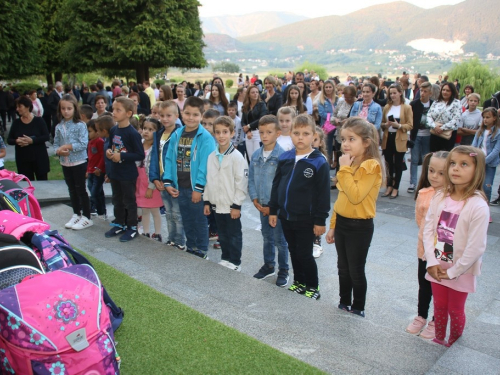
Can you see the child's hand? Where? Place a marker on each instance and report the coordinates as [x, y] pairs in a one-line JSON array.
[[273, 220], [330, 236], [235, 213], [149, 193], [61, 151], [174, 193], [319, 230], [106, 179], [196, 197], [265, 211], [444, 275], [159, 186], [346, 159], [206, 210], [435, 272], [257, 204], [249, 135], [116, 157], [86, 175], [97, 172], [109, 153]]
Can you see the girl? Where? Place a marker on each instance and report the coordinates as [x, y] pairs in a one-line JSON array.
[[70, 144], [487, 139], [351, 227], [318, 144], [147, 196], [180, 91], [218, 98], [293, 99], [471, 120], [431, 180], [155, 111], [455, 239], [285, 118], [305, 98]]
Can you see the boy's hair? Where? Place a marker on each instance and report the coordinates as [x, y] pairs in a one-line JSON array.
[[225, 121], [233, 104], [207, 102], [105, 123], [322, 144], [76, 113], [477, 182], [99, 97], [157, 104], [91, 125], [168, 104], [304, 120], [287, 111], [270, 119], [194, 102], [134, 121], [424, 177], [127, 103], [426, 85], [474, 95], [211, 113], [86, 110]]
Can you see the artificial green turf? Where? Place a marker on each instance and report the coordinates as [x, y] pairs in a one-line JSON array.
[[162, 336]]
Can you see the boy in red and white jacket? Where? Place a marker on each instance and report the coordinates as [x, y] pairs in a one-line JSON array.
[[96, 172]]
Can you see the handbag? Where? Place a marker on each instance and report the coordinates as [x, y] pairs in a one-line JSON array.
[[328, 127], [446, 134]]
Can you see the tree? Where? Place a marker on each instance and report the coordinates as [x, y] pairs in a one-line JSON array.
[[134, 34], [320, 70], [484, 80], [226, 67], [19, 34]]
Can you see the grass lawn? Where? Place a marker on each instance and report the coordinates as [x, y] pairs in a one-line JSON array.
[[162, 336], [55, 168]]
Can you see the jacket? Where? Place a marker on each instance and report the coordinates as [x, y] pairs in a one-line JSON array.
[[421, 207], [418, 109], [76, 134], [252, 117], [448, 115], [227, 181], [492, 147], [324, 109], [154, 166], [406, 121], [301, 190], [261, 174], [274, 104], [374, 112], [202, 146]]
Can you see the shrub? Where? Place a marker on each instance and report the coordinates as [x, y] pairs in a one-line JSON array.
[[229, 83], [160, 81], [319, 69]]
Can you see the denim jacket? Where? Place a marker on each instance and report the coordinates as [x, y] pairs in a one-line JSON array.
[[261, 174], [76, 134], [326, 108], [374, 112], [492, 147]]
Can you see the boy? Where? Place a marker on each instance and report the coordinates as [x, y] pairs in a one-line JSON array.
[[471, 120], [103, 126], [124, 149], [208, 120], [95, 171], [260, 178], [225, 192], [185, 177], [285, 118], [301, 194], [169, 117], [86, 113], [238, 138]]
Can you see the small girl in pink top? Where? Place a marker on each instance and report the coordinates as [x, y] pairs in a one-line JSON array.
[[431, 180], [455, 239]]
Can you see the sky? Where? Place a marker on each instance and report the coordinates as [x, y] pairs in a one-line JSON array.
[[317, 8]]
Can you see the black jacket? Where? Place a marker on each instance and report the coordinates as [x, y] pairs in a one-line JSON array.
[[252, 117], [417, 108], [274, 104]]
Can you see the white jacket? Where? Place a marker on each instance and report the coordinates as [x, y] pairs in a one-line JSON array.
[[227, 182]]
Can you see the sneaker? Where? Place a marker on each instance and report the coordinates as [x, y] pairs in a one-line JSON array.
[[199, 254], [411, 189], [128, 234], [317, 250], [156, 237], [496, 202], [265, 272], [416, 326], [223, 262], [82, 223], [429, 332], [312, 293], [282, 279], [146, 235], [297, 287], [115, 230], [93, 212], [232, 266], [103, 217], [491, 220], [213, 236], [163, 211], [217, 245], [341, 306], [180, 247], [360, 313], [74, 219]]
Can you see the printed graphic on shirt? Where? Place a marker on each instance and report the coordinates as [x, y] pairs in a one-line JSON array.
[[184, 154], [444, 239], [118, 144], [308, 173], [423, 120]]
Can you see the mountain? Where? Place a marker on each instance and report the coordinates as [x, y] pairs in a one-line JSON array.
[[248, 24]]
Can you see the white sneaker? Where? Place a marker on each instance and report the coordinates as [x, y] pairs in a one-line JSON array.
[[223, 263], [74, 219], [103, 217], [82, 223], [317, 251], [232, 266]]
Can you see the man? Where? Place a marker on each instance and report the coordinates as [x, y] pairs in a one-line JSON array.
[[258, 83], [420, 134], [53, 102], [420, 80], [299, 77], [150, 93], [144, 100]]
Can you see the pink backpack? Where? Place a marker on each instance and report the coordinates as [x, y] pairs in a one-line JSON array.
[[57, 323], [17, 199], [17, 224]]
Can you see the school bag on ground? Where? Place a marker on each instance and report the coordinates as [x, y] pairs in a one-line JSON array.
[[17, 224], [17, 199], [57, 323]]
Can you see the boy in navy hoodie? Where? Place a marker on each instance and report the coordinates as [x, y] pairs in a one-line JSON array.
[[300, 196]]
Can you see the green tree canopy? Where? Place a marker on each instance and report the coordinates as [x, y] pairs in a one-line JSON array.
[[319, 69], [226, 67]]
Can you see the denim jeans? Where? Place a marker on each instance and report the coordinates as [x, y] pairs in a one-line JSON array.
[[193, 220], [274, 237], [419, 150], [97, 199], [488, 181], [230, 238], [174, 219]]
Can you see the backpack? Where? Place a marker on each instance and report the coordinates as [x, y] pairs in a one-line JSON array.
[[17, 224], [57, 323], [17, 199]]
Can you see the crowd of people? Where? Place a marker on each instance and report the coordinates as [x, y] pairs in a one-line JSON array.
[[196, 153]]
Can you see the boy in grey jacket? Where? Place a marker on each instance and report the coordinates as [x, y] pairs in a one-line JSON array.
[[225, 191]]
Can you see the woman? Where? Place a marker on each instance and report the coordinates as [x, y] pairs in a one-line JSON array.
[[36, 103], [240, 80], [29, 134], [314, 94], [271, 97], [166, 93], [180, 91], [379, 97], [239, 98], [397, 121], [100, 106], [218, 80], [206, 91], [326, 105], [445, 114], [198, 92], [218, 99], [293, 99], [367, 108], [117, 90], [305, 98], [469, 89], [253, 109], [340, 115]]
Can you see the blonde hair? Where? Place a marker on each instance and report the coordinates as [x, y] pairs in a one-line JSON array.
[[304, 120], [494, 129], [322, 144], [474, 95], [287, 111], [225, 121], [322, 96]]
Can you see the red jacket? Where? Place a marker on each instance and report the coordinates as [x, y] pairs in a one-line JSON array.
[[95, 153]]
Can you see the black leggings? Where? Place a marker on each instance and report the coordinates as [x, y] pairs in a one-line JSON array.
[[394, 160], [424, 290], [75, 179]]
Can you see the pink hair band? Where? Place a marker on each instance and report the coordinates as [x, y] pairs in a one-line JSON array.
[[473, 154]]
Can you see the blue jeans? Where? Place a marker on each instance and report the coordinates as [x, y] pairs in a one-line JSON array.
[[230, 238], [194, 221], [97, 199], [274, 237], [419, 150], [174, 219], [488, 181]]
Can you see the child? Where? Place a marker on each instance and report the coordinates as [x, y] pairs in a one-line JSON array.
[[147, 196], [318, 144], [487, 139], [239, 136], [225, 192], [86, 113], [260, 178], [185, 177], [95, 171], [294, 100], [351, 226], [124, 149], [431, 180], [70, 144], [155, 111], [454, 239], [471, 120], [169, 115], [103, 126], [285, 117], [301, 193], [207, 104]]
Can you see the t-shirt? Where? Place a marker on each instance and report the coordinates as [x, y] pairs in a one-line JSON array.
[[472, 121], [285, 142], [265, 154], [299, 157], [128, 142], [423, 130], [396, 112], [184, 158], [485, 139], [163, 140]]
